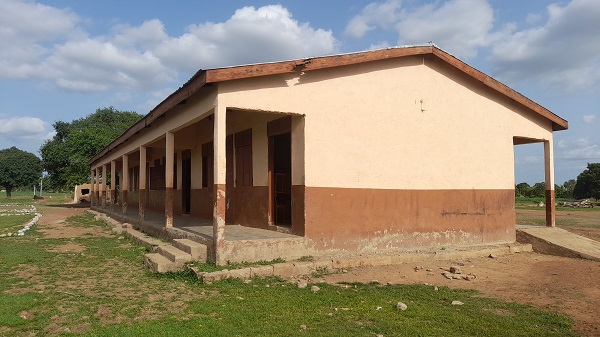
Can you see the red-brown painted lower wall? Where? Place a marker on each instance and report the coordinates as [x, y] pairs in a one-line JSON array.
[[134, 199], [298, 209], [201, 203], [249, 206], [340, 218]]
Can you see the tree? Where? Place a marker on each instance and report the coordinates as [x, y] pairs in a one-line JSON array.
[[18, 169], [588, 182], [65, 156], [566, 189], [522, 189]]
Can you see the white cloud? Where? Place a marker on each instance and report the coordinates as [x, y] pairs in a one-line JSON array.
[[37, 43], [459, 26], [26, 28], [384, 15], [578, 149], [589, 119], [379, 45], [533, 18], [251, 35], [563, 51], [23, 128]]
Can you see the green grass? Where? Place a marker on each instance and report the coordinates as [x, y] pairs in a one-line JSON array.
[[96, 285], [12, 223], [27, 196]]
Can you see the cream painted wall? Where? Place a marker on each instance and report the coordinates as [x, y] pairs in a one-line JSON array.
[[365, 125]]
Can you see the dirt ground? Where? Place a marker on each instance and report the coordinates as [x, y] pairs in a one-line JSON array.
[[564, 285]]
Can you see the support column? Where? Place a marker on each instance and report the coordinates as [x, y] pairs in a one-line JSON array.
[[124, 183], [92, 184], [549, 174], [170, 153], [103, 187], [219, 197], [142, 208], [97, 189], [113, 183]]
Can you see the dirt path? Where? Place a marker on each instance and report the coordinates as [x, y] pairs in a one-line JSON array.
[[568, 286]]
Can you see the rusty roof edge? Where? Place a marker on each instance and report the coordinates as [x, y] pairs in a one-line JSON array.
[[160, 109]]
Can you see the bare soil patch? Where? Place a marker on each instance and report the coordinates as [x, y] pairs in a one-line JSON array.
[[53, 226], [565, 285]]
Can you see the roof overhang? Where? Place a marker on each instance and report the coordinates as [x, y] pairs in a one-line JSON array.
[[204, 77]]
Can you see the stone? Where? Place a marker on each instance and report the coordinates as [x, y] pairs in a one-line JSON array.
[[457, 303], [492, 256], [435, 288], [302, 284], [451, 276], [314, 289], [455, 270], [469, 277], [302, 327], [401, 306], [26, 315]]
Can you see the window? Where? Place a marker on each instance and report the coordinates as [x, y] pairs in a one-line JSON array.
[[243, 158]]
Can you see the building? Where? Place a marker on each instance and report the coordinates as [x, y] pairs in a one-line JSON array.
[[397, 148]]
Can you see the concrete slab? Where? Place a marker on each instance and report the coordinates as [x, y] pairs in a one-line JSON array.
[[557, 241], [174, 254], [143, 239], [160, 264], [197, 250]]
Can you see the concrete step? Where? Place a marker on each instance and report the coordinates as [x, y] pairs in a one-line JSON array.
[[143, 239], [160, 264], [174, 254], [557, 241], [198, 251]]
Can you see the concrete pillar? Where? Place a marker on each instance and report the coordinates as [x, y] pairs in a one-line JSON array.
[[549, 174], [124, 183], [219, 197], [142, 208], [103, 187], [92, 184], [170, 153], [113, 183], [97, 188]]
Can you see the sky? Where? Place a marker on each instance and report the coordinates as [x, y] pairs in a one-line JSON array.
[[63, 59]]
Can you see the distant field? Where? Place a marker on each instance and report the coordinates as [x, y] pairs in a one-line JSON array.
[[27, 196]]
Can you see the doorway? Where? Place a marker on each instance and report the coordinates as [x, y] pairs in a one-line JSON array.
[[186, 181], [280, 160]]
